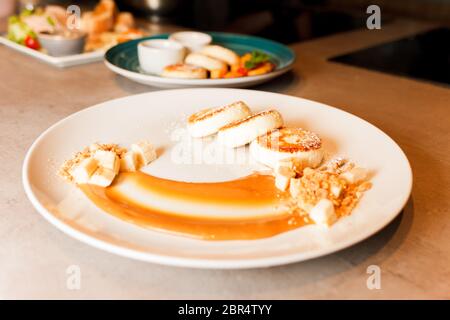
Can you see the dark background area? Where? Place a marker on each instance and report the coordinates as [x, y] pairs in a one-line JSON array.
[[286, 21]]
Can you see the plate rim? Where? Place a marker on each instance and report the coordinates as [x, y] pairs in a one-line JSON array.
[[199, 82], [202, 263]]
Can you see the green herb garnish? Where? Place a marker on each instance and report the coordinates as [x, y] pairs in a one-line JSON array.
[[18, 30], [257, 58], [50, 21]]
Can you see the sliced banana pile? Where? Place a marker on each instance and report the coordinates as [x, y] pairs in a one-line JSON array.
[[99, 164]]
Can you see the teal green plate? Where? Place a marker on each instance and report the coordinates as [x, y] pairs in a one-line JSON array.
[[123, 59]]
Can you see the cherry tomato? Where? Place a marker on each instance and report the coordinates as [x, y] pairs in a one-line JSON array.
[[32, 43], [242, 70]]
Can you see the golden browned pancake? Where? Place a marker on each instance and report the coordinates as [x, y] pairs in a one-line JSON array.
[[184, 71], [287, 143], [209, 121], [246, 130]]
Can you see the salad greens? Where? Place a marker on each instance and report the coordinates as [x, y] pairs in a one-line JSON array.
[[257, 57], [19, 30]]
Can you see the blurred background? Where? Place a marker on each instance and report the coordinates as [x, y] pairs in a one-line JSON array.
[[422, 56], [287, 21]]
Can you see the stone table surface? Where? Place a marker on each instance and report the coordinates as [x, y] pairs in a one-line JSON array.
[[413, 252]]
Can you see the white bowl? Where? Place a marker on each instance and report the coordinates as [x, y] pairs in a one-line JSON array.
[[59, 46], [192, 40], [156, 54]]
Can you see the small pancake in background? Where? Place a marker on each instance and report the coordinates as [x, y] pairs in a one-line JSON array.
[[184, 71]]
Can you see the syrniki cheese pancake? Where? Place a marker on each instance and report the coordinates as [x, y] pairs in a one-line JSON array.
[[201, 60], [223, 54], [244, 131], [184, 71], [209, 121], [286, 143]]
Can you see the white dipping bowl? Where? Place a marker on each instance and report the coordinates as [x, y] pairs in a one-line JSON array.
[[156, 54], [192, 40]]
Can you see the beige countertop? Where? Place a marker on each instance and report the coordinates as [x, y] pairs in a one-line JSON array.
[[413, 252]]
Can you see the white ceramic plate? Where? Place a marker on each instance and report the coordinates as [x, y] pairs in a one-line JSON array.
[[61, 62], [155, 116]]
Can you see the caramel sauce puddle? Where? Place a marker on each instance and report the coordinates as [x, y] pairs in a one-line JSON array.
[[251, 191]]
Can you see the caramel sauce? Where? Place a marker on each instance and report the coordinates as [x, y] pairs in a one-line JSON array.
[[252, 191]]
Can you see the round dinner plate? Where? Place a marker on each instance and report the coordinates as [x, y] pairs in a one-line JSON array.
[[123, 59], [160, 117]]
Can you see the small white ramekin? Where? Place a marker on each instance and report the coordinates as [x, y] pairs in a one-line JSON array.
[[156, 54], [192, 40]]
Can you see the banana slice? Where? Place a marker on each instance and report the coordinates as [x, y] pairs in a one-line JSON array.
[[244, 131], [129, 162], [145, 152], [209, 121], [84, 170], [107, 159], [288, 143], [102, 177]]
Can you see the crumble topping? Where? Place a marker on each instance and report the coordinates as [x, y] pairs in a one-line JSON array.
[[315, 185], [333, 189]]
